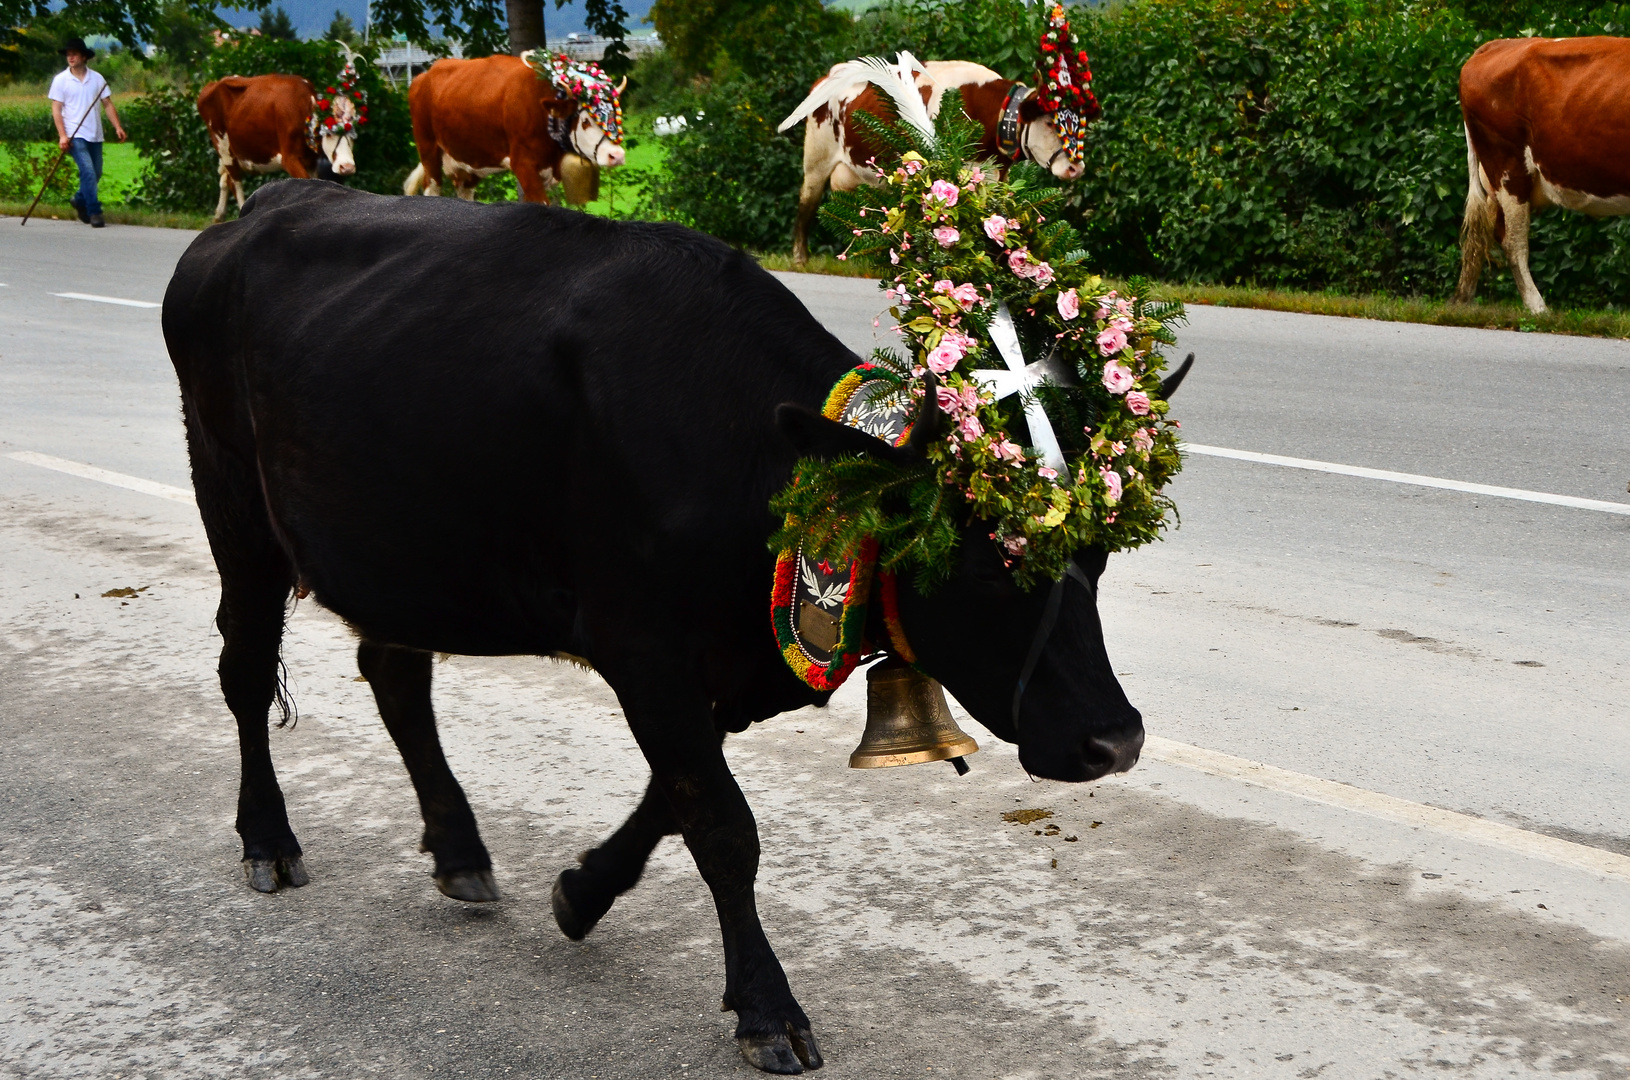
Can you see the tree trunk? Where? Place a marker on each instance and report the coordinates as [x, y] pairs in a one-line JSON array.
[[525, 25]]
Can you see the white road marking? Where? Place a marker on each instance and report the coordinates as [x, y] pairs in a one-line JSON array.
[[1212, 762], [1409, 478], [107, 299], [1419, 815], [105, 476]]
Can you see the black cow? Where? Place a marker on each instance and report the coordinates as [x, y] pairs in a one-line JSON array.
[[523, 430]]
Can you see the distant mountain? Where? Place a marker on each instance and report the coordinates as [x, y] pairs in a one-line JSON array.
[[311, 17]]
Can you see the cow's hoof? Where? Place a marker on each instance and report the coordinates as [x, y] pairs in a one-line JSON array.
[[570, 922], [470, 886], [268, 875], [785, 1055]]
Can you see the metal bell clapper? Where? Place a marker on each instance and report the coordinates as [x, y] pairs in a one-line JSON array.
[[907, 721]]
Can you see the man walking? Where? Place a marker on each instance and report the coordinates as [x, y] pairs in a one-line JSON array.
[[75, 94]]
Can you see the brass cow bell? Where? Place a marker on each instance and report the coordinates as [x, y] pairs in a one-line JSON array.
[[907, 721], [581, 178]]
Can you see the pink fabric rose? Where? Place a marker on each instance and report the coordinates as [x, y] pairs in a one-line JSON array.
[[949, 401], [1046, 473], [1015, 545], [1138, 402], [944, 192], [1143, 440], [1041, 273], [966, 295], [942, 285], [1069, 305], [946, 236], [1111, 341], [1019, 262], [945, 356], [1008, 450], [976, 175], [970, 427], [996, 227], [894, 257], [1117, 377], [1112, 484]]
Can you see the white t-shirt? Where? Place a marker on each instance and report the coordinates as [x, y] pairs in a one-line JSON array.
[[77, 99]]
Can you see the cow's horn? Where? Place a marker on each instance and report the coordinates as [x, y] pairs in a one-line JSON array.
[[622, 85], [1169, 385], [929, 418]]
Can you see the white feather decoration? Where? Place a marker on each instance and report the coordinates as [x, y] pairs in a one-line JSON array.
[[896, 80]]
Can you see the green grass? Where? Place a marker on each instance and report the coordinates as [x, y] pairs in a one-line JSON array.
[[646, 158], [1490, 316], [117, 215], [120, 164]]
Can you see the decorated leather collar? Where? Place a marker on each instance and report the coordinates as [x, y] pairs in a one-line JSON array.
[[819, 608], [1007, 128]]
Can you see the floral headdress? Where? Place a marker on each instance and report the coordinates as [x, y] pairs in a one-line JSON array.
[[1066, 89], [345, 108], [1053, 425], [587, 84]]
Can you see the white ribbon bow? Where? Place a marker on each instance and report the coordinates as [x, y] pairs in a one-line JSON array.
[[1021, 378]]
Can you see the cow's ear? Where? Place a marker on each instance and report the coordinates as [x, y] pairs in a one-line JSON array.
[[816, 436]]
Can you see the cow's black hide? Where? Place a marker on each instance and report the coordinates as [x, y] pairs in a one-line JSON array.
[[518, 429]]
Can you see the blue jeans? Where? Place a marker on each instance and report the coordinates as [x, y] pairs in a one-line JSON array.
[[88, 156]]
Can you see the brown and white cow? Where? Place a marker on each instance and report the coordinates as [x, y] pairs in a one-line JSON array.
[[475, 118], [259, 124], [1547, 124], [836, 149]]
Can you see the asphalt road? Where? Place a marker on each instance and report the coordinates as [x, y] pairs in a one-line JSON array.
[[1458, 659]]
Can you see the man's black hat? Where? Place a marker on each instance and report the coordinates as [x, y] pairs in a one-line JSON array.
[[76, 44]]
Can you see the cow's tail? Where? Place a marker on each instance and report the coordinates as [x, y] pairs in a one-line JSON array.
[[1477, 228], [415, 180]]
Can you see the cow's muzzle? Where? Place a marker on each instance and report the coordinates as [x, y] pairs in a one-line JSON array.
[[1095, 757]]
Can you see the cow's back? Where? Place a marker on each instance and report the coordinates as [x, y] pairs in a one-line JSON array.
[[1556, 106], [501, 402], [258, 114], [475, 109]]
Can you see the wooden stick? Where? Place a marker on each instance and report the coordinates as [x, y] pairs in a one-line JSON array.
[[61, 153]]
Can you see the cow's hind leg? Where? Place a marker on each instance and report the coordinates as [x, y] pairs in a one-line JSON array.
[[674, 727], [583, 894], [400, 679], [1516, 213], [256, 580]]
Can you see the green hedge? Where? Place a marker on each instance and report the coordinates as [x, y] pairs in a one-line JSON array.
[[27, 123], [180, 171], [1309, 143]]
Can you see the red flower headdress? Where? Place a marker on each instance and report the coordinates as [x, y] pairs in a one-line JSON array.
[[1066, 84], [344, 109], [587, 84]]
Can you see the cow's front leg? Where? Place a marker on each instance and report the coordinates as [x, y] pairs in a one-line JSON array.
[[400, 679], [583, 894], [675, 732]]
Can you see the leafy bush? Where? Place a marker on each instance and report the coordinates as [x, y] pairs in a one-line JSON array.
[[180, 166], [728, 172], [24, 167], [1314, 143]]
